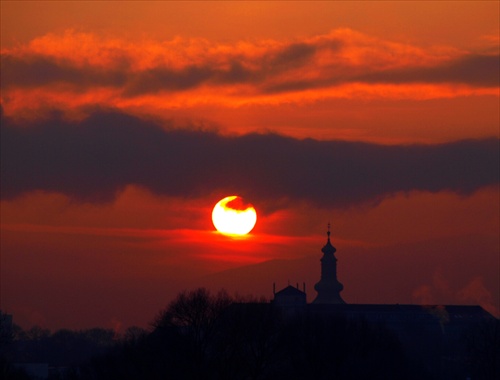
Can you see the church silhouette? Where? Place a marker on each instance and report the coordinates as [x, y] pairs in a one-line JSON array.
[[435, 334]]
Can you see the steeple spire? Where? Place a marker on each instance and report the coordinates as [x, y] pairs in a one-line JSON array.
[[328, 287]]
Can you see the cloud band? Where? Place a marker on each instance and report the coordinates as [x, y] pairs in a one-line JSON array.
[[93, 159]]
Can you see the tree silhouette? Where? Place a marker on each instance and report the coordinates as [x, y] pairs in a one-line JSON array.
[[204, 336], [190, 321], [248, 343]]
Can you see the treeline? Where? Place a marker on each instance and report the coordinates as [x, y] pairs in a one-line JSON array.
[[204, 336], [63, 350]]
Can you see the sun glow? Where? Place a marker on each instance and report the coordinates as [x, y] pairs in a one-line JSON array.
[[231, 216]]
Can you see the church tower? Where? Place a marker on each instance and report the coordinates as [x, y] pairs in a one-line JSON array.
[[328, 287]]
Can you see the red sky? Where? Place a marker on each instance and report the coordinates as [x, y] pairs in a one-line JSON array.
[[122, 126]]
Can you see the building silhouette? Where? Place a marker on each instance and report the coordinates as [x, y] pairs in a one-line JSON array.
[[328, 287], [290, 296], [329, 301], [436, 335]]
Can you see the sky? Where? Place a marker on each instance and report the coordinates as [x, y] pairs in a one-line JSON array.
[[123, 124]]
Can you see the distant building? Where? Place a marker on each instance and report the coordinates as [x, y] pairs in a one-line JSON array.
[[328, 287], [329, 302], [436, 334], [290, 296]]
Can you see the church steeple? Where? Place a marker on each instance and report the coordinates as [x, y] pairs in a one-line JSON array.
[[328, 287]]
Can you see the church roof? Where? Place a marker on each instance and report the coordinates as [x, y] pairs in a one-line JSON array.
[[290, 291]]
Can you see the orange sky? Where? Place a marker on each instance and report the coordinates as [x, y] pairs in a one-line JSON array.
[[92, 90]]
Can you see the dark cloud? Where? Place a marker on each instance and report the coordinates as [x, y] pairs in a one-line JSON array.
[[161, 79], [293, 55], [265, 71], [236, 73], [35, 71], [38, 70], [164, 78], [476, 70], [93, 159]]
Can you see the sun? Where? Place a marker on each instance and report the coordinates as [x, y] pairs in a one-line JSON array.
[[231, 216]]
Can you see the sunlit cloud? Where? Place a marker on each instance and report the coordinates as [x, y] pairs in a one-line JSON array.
[[78, 69]]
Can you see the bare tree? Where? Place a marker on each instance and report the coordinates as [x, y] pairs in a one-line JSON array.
[[193, 315]]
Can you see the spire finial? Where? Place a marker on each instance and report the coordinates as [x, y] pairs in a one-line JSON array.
[[328, 233]]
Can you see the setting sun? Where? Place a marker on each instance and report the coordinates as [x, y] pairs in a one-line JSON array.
[[231, 216]]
